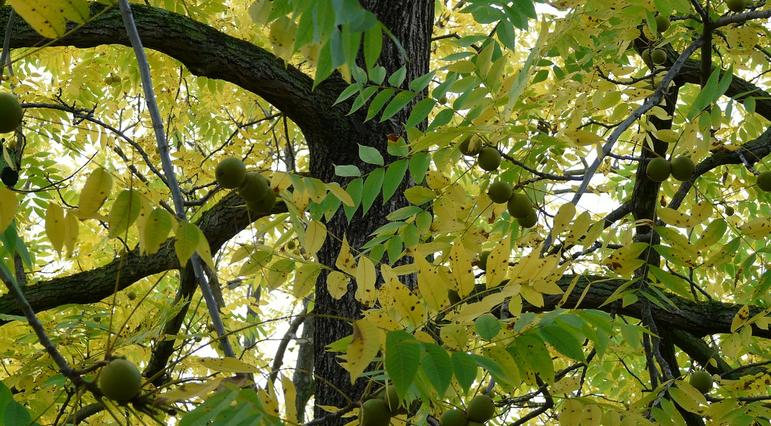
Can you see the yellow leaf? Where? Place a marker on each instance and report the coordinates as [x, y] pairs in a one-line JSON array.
[[55, 226], [583, 137], [305, 279], [460, 262], [757, 228], [363, 348], [741, 317], [454, 336], [315, 234], [290, 397], [531, 296], [674, 217], [157, 228], [124, 212], [8, 205], [498, 263], [340, 193], [95, 191], [366, 275], [562, 219], [72, 227], [345, 261], [203, 249], [395, 295], [49, 17], [226, 365], [337, 284], [701, 212], [431, 286], [186, 243], [418, 195], [280, 181], [191, 390]]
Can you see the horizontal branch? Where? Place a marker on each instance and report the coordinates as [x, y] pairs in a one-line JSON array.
[[205, 52], [219, 224]]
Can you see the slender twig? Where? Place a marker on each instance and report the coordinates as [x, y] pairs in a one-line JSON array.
[[647, 105], [278, 360], [7, 45], [168, 168]]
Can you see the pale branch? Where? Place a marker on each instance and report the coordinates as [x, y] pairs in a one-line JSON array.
[[649, 103], [219, 224], [210, 53], [752, 151], [168, 168]]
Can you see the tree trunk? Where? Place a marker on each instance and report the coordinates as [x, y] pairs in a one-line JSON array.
[[411, 22]]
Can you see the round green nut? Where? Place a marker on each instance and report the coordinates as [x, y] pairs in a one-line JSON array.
[[481, 408], [729, 211], [230, 173], [528, 221], [736, 5], [470, 146], [662, 23], [519, 205], [658, 56], [646, 57], [10, 113], [374, 412], [120, 380], [658, 169], [764, 181], [264, 204], [701, 380], [254, 187], [489, 159], [391, 397], [682, 168], [453, 417], [499, 192]]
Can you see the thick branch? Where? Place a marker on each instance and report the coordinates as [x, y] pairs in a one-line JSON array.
[[219, 224]]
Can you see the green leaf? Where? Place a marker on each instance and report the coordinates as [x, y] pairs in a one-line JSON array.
[[363, 97], [157, 228], [418, 195], [420, 112], [402, 359], [487, 326], [437, 366], [187, 242], [393, 178], [419, 84], [373, 45], [712, 90], [419, 166], [531, 349], [347, 93], [355, 189], [124, 212], [394, 248], [562, 341], [377, 74], [404, 212], [324, 66], [370, 155], [443, 117], [397, 78], [372, 186], [347, 171], [377, 103], [397, 103], [465, 369]]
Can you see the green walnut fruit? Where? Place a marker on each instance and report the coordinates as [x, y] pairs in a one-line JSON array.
[[391, 397], [470, 146], [519, 205], [230, 173], [254, 187], [658, 169], [483, 260], [481, 408], [10, 113], [658, 56], [736, 5], [499, 192], [374, 412], [701, 380], [489, 158], [120, 380], [264, 204], [729, 211], [453, 417], [646, 57], [682, 168], [528, 221], [662, 23], [764, 181]]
